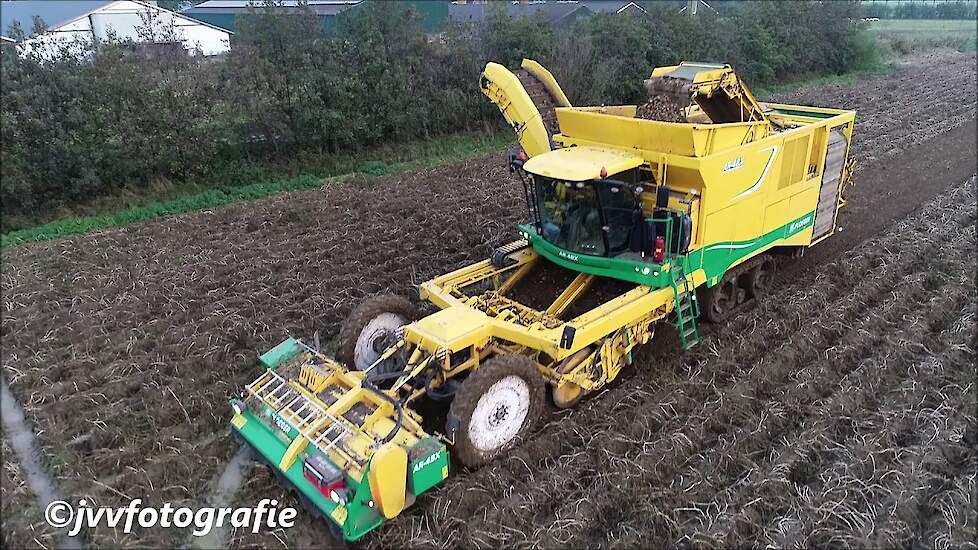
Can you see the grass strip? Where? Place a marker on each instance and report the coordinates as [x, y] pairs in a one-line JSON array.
[[432, 153]]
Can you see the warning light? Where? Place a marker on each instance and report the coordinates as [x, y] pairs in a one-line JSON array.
[[604, 173]]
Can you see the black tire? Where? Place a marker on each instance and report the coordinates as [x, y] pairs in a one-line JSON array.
[[361, 315], [475, 386]]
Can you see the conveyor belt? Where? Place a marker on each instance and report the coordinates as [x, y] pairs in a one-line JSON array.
[[541, 98]]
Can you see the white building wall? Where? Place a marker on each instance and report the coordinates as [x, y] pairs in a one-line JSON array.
[[134, 21]]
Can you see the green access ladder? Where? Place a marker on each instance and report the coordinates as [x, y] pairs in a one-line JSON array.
[[687, 307]]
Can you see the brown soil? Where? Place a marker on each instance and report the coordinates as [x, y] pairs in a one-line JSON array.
[[841, 412], [664, 107]]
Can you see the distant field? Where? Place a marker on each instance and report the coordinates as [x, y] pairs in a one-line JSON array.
[[908, 35], [925, 26]]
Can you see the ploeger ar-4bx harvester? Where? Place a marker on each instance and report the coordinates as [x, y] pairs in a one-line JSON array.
[[688, 215]]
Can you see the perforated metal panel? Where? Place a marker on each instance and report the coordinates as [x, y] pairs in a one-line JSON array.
[[835, 161]]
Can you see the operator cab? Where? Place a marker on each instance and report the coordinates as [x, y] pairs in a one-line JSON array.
[[593, 217], [575, 205]]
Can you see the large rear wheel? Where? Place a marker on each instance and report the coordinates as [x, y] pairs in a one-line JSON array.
[[497, 405], [371, 328]]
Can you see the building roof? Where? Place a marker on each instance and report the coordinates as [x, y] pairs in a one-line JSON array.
[[551, 12], [57, 13], [54, 12], [611, 6], [320, 7]]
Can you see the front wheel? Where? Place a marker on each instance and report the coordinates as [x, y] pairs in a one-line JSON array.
[[496, 406], [371, 328]]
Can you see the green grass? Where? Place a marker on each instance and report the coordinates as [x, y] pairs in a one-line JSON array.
[[190, 197], [846, 79], [906, 36], [925, 26]]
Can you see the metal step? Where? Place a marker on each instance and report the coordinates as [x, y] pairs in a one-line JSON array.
[[686, 308]]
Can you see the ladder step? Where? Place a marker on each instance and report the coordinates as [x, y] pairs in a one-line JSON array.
[[289, 406], [272, 393], [686, 308]]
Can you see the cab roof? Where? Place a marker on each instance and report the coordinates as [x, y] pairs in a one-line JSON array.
[[581, 163]]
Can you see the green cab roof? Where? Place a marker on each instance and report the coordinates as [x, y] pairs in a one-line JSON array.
[[581, 163]]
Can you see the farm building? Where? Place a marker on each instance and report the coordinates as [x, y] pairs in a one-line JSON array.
[[557, 12], [222, 12], [435, 14], [69, 22]]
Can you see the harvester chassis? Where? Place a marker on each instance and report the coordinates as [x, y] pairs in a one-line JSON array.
[[692, 214]]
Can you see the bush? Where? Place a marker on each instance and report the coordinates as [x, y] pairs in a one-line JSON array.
[[111, 121]]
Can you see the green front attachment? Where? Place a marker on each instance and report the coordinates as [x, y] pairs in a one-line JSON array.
[[354, 520], [271, 434]]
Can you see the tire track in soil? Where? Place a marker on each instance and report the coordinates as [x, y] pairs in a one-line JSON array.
[[225, 488], [456, 533], [21, 438]]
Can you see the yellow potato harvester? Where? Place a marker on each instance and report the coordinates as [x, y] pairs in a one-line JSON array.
[[688, 215]]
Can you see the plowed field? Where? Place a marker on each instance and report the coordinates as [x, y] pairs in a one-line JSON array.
[[841, 411]]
